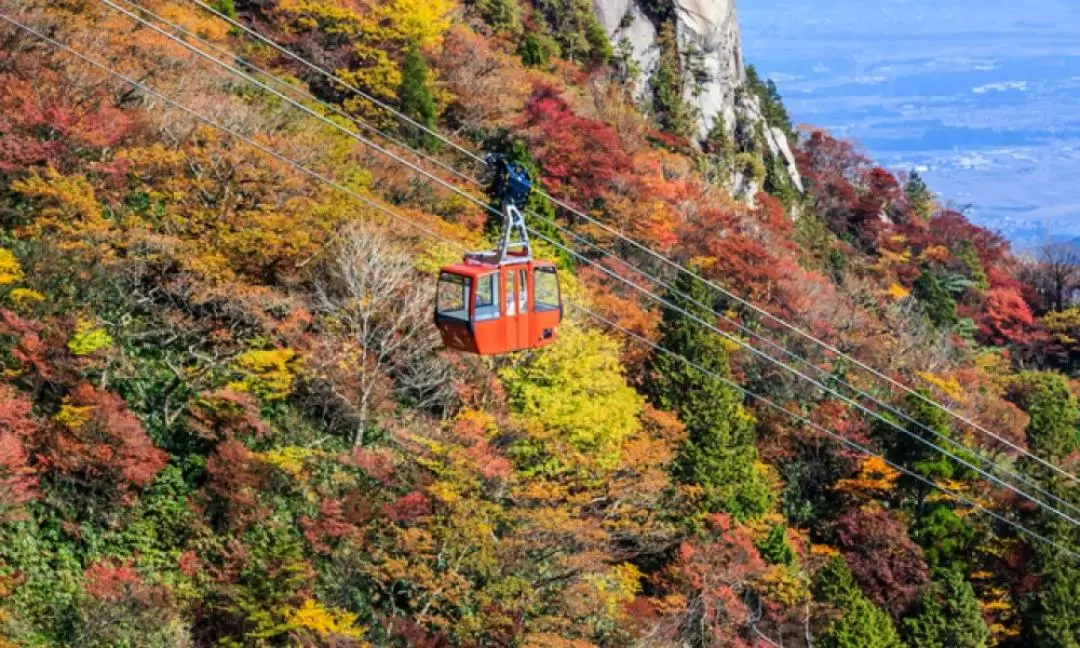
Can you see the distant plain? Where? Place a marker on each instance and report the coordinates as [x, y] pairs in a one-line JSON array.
[[982, 97]]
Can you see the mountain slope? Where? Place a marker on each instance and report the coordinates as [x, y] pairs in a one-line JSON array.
[[226, 419]]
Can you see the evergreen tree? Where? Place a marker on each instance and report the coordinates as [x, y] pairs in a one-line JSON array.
[[719, 454], [772, 104], [574, 27], [672, 112], [944, 536], [948, 615], [1051, 615], [937, 303], [918, 194], [532, 51], [227, 7], [775, 549], [416, 98], [600, 49], [502, 15], [861, 624]]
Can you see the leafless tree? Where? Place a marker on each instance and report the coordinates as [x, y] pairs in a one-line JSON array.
[[376, 311], [1054, 273]]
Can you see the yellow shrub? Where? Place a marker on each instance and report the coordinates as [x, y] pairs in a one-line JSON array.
[[322, 622], [25, 297], [289, 459], [780, 585], [10, 269], [89, 339], [73, 417], [896, 292], [949, 386], [267, 374]]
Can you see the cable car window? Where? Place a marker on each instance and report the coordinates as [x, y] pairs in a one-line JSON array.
[[546, 287], [523, 292], [510, 310], [487, 307], [453, 296]]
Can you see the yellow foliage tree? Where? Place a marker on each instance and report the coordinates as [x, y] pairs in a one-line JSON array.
[[88, 339], [576, 392], [325, 623], [378, 32], [267, 374], [949, 386], [64, 204], [875, 476], [10, 269]]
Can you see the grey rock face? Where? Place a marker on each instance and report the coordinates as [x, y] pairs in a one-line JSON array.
[[710, 47], [708, 35]]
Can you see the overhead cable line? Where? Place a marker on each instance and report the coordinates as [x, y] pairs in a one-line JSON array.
[[794, 328], [660, 300], [315, 175], [667, 286]]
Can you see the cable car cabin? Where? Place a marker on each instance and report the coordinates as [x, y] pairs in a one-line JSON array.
[[491, 309], [502, 300]]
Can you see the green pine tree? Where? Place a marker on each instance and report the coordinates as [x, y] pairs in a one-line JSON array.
[[1051, 615], [948, 615], [775, 549], [502, 15], [672, 112], [574, 28], [918, 194], [719, 454], [937, 302], [861, 624], [772, 104], [416, 98], [227, 7]]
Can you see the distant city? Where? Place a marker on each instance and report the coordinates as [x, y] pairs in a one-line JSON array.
[[982, 100]]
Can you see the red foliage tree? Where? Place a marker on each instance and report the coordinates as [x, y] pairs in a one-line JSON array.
[[1006, 318], [713, 573], [42, 120], [410, 507], [28, 348], [378, 464], [330, 526], [226, 414], [952, 228], [579, 157], [96, 442], [18, 479], [885, 561], [233, 480], [120, 605]]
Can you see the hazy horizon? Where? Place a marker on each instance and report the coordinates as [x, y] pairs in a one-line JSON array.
[[982, 99]]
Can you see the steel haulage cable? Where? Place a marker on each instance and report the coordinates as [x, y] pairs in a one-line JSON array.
[[652, 253], [660, 300], [794, 415], [994, 466]]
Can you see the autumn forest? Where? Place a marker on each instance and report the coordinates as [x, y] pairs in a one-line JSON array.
[[795, 401]]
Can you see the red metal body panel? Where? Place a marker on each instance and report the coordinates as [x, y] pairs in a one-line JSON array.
[[517, 326]]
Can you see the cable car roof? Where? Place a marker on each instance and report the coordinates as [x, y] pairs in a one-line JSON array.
[[474, 268]]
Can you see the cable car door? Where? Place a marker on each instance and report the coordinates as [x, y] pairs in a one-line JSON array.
[[510, 314], [522, 319]]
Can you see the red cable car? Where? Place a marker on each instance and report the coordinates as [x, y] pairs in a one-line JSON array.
[[503, 300]]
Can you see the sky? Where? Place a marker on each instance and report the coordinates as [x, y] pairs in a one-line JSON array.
[[982, 97]]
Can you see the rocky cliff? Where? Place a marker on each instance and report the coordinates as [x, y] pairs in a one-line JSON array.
[[707, 33]]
